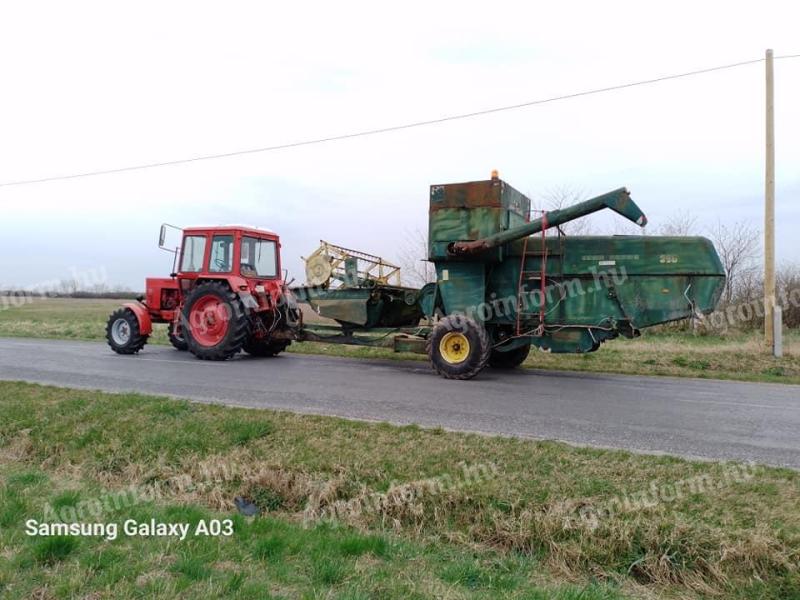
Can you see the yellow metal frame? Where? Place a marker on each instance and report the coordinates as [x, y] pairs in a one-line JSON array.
[[370, 266]]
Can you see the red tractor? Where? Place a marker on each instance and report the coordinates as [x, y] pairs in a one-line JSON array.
[[226, 294]]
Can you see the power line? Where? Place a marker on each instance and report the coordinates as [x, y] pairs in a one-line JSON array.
[[382, 130]]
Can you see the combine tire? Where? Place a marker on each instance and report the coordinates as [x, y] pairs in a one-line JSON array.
[[262, 348], [176, 337], [458, 347], [122, 332], [216, 326], [509, 359]]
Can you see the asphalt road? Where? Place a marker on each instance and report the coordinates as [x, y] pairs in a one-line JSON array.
[[687, 417]]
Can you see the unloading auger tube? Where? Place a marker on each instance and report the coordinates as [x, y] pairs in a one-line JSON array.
[[619, 201]]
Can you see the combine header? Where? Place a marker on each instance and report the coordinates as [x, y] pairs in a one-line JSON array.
[[503, 283]]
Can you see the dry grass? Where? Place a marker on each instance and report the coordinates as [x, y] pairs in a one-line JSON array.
[[736, 537], [738, 356]]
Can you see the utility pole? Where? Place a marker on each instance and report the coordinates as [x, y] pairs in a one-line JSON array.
[[769, 213]]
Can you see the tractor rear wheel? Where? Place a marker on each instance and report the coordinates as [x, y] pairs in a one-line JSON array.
[[509, 359], [176, 337], [123, 333], [458, 347], [216, 325], [261, 348]]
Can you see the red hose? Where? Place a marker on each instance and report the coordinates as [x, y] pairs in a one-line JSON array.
[[544, 271]]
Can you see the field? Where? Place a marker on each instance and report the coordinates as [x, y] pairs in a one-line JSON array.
[[352, 510], [738, 356]]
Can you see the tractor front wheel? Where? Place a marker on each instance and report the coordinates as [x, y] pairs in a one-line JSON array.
[[123, 333], [215, 324], [510, 358], [262, 348], [458, 347]]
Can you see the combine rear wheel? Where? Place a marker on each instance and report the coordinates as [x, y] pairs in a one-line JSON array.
[[510, 358], [216, 326], [176, 337], [122, 332], [458, 347], [262, 348]]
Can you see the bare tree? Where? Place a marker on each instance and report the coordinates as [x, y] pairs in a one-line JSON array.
[[679, 223], [738, 248], [789, 290], [68, 286], [415, 268], [560, 197]]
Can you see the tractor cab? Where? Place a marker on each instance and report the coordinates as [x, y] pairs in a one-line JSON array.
[[243, 256], [231, 250], [244, 259]]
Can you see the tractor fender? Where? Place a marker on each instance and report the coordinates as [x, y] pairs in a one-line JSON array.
[[145, 322]]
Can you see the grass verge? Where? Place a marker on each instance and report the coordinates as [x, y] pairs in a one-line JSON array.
[[737, 356], [359, 510]]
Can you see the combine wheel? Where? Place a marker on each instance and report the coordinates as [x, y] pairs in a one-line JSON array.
[[176, 337], [509, 359], [216, 326], [262, 348], [122, 332], [458, 347]]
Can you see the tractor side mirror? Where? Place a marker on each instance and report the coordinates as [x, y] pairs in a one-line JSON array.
[[162, 235]]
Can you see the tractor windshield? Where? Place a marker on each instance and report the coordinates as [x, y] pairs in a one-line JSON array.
[[194, 249], [221, 260], [259, 258]]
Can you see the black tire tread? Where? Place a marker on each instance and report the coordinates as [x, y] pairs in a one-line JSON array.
[[448, 323], [510, 359], [261, 348], [239, 322], [177, 343], [138, 340]]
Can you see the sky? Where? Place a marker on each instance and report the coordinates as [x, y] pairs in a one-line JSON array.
[[99, 85]]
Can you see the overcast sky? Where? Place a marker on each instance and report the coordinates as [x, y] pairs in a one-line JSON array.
[[89, 86]]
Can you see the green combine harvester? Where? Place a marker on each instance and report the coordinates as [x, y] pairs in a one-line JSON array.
[[501, 288]]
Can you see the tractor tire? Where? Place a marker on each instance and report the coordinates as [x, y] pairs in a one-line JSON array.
[[510, 359], [458, 347], [215, 323], [123, 333], [262, 348], [176, 337]]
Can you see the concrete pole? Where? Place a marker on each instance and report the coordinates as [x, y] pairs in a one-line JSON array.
[[769, 212]]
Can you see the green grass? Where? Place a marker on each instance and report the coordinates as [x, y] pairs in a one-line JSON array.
[[737, 356], [546, 521], [54, 549]]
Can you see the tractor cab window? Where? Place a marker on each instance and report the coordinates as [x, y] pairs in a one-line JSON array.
[[221, 260], [259, 258], [194, 250]]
